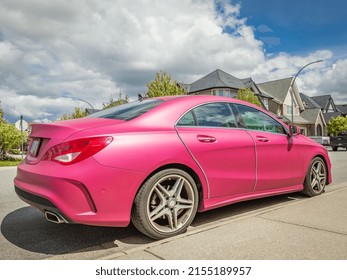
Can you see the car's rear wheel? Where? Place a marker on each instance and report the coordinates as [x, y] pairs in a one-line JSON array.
[[166, 204], [316, 178], [334, 149]]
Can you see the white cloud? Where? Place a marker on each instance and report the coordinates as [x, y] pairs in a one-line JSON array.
[[51, 50], [263, 28], [271, 41]]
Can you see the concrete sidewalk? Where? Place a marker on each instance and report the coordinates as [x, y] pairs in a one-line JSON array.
[[303, 229]]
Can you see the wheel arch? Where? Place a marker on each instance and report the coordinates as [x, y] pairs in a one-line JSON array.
[[185, 168]]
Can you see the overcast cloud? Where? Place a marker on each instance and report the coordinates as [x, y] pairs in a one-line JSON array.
[[51, 51]]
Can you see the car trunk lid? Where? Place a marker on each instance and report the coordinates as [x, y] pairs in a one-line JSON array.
[[44, 136]]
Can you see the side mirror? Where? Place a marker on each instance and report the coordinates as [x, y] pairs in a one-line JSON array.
[[294, 130]]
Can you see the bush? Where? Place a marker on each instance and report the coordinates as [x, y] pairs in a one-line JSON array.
[[14, 151], [337, 125]]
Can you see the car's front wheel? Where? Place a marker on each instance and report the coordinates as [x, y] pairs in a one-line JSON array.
[[166, 204], [316, 177]]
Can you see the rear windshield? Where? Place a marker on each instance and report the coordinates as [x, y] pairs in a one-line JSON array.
[[127, 111]]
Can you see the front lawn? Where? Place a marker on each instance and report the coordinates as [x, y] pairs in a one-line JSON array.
[[10, 162]]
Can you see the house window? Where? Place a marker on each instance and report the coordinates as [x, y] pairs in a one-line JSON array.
[[289, 110], [223, 92]]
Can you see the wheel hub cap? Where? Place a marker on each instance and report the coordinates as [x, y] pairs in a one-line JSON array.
[[171, 203]]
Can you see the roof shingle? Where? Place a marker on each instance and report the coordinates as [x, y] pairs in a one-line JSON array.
[[216, 79], [278, 88]]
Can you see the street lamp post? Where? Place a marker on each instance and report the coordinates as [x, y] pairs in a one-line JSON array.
[[86, 102], [292, 83], [22, 136]]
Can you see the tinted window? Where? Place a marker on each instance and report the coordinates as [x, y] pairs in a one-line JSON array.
[[212, 115], [127, 111], [257, 120], [188, 119]]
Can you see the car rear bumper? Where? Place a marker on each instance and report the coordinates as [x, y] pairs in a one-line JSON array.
[[85, 193]]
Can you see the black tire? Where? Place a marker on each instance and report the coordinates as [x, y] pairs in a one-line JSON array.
[[334, 149], [316, 178], [166, 204]]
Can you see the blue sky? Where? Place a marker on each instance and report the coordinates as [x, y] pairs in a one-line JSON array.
[[298, 27], [54, 53]]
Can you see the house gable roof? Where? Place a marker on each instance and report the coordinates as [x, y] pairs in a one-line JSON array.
[[216, 79], [277, 89], [310, 103], [342, 108], [322, 100], [329, 115], [311, 115]]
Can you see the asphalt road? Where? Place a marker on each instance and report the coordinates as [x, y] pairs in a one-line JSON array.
[[26, 235]]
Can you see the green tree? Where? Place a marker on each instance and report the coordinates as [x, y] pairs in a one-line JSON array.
[[163, 85], [112, 102], [247, 95], [336, 125], [78, 113], [10, 138], [1, 114]]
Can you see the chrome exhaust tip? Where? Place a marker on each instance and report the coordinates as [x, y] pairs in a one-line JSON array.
[[54, 218]]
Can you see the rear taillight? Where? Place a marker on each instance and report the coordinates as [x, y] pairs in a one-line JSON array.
[[76, 150]]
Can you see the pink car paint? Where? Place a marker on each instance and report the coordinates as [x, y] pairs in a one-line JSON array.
[[230, 164]]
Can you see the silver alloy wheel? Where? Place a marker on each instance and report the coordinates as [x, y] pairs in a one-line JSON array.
[[318, 176], [170, 203]]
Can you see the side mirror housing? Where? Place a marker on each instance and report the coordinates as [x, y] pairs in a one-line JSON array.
[[294, 130]]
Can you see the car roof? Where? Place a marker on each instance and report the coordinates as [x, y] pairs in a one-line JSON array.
[[173, 107]]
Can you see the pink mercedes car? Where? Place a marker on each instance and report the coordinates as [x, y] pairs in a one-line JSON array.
[[156, 162]]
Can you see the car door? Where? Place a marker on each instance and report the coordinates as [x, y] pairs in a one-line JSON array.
[[279, 159], [225, 152]]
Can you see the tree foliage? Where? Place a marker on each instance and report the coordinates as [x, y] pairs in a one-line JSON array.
[[111, 103], [336, 125], [10, 137], [1, 114], [163, 85], [78, 113], [247, 95]]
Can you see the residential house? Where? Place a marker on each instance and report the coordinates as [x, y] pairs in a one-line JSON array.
[[312, 106], [343, 109], [221, 83], [329, 109], [275, 96], [288, 105]]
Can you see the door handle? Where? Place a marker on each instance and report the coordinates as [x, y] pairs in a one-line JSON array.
[[206, 139], [263, 139]]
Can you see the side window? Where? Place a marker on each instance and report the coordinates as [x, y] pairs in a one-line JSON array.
[[257, 120], [187, 119], [215, 115], [211, 115]]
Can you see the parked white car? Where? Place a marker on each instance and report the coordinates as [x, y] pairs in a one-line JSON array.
[[324, 140]]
